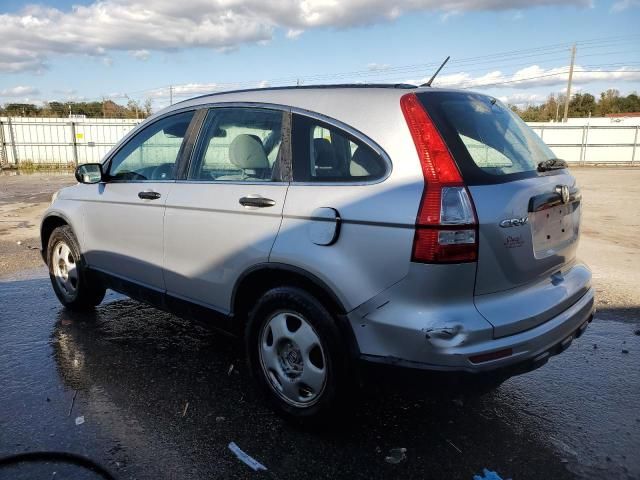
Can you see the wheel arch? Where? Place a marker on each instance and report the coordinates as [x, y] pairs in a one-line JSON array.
[[49, 223], [257, 280], [260, 278]]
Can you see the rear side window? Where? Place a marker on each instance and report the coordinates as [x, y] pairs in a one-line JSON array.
[[239, 144], [486, 137], [324, 153]]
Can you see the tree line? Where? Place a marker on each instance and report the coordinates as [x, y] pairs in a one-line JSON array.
[[580, 105], [104, 109]]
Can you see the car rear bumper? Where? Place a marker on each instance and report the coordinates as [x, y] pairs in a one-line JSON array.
[[467, 346]]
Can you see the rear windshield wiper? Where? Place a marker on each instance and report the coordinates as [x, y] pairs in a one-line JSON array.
[[552, 164]]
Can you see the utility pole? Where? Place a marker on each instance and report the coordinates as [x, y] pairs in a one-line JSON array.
[[566, 100], [171, 95]]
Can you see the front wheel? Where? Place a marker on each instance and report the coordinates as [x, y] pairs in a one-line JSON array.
[[297, 355], [70, 280]]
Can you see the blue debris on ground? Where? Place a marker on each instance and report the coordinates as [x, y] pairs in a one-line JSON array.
[[488, 475]]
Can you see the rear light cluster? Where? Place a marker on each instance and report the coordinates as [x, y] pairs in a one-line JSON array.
[[446, 226]]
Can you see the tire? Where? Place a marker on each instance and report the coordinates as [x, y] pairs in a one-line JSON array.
[[72, 283], [298, 357]]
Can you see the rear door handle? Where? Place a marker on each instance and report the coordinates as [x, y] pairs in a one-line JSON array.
[[149, 195], [256, 201]]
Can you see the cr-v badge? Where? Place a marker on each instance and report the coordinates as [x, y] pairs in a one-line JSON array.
[[514, 222]]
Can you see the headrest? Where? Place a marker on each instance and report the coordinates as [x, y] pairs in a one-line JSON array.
[[364, 163], [246, 152], [324, 154]]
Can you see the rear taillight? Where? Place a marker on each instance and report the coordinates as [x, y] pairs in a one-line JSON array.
[[446, 226]]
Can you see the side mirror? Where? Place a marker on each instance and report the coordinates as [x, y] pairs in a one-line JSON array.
[[89, 173]]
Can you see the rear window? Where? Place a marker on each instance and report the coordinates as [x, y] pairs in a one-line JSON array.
[[486, 138]]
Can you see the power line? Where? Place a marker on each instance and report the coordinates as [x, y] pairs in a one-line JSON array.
[[500, 57]]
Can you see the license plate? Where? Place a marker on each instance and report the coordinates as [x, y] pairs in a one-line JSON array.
[[554, 229]]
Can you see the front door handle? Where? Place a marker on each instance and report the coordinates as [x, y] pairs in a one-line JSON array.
[[149, 195], [256, 201]]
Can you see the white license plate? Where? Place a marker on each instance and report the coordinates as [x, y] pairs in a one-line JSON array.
[[554, 229]]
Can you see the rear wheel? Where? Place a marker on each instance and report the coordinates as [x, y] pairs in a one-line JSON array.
[[297, 355], [70, 280]]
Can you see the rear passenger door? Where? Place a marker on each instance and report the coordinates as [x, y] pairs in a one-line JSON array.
[[340, 221], [224, 215]]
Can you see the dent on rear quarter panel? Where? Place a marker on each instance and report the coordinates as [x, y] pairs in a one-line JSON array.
[[424, 317]]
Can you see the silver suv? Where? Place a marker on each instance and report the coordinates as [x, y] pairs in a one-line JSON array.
[[335, 227]]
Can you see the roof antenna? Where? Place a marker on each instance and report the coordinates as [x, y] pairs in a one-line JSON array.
[[428, 84]]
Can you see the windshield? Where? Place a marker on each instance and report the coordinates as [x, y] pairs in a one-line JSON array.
[[497, 141]]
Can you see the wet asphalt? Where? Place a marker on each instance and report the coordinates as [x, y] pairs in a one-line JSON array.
[[160, 400]]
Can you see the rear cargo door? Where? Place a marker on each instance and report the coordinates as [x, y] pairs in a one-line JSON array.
[[529, 220], [526, 231]]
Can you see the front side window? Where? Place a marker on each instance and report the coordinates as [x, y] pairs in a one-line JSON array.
[[239, 144], [152, 153], [324, 153]]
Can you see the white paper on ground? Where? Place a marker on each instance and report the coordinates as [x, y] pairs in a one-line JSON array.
[[243, 457]]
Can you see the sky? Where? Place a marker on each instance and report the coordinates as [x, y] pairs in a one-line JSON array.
[[516, 50]]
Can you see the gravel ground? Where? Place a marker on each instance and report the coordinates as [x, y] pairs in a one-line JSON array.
[[23, 199]]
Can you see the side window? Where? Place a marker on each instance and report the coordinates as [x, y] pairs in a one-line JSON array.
[[153, 152], [324, 153], [239, 145]]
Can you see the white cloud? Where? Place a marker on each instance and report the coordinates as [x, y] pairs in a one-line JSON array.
[[294, 33], [180, 92], [36, 33], [522, 99], [19, 91], [378, 67], [622, 5], [142, 54], [65, 91], [532, 77]]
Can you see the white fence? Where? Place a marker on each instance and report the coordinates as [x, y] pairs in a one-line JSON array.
[[68, 142], [592, 144], [59, 141]]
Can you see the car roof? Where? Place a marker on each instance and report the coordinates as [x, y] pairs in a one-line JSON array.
[[304, 94]]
